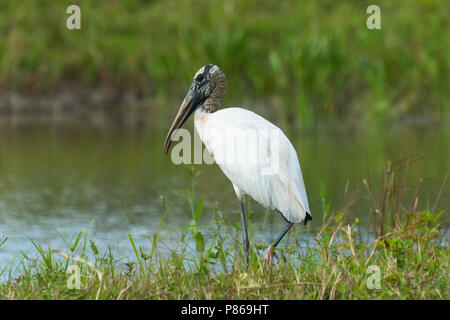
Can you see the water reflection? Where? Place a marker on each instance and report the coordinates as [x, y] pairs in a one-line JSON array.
[[56, 179]]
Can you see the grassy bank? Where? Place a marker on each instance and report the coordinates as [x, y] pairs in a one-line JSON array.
[[409, 254], [412, 262], [305, 60]]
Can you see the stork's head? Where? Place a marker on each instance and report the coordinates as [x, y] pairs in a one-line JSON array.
[[206, 91]]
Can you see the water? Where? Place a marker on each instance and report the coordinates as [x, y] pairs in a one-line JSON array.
[[57, 178]]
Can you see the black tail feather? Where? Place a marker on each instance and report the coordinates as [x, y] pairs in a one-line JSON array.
[[307, 218]]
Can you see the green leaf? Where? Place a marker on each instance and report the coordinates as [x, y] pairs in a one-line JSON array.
[[198, 212], [199, 242], [94, 247], [75, 244]]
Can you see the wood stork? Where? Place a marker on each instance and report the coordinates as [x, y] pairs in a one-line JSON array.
[[281, 189]]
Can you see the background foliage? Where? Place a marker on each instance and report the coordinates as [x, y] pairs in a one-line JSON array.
[[307, 60]]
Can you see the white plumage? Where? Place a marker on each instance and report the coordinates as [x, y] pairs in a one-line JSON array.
[[283, 190]]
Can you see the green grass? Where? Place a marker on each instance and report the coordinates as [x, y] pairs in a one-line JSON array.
[[411, 254], [334, 266], [304, 60]]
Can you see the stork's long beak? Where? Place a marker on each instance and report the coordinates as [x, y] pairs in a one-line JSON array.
[[193, 98]]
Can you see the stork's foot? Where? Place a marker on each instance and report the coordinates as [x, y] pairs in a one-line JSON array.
[[269, 255]]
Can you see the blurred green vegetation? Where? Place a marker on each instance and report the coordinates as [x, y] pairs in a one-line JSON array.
[[308, 60]]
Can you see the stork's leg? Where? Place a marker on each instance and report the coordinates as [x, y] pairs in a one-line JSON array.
[[246, 242], [269, 255]]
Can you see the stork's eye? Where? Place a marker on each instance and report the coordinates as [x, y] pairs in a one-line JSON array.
[[200, 78]]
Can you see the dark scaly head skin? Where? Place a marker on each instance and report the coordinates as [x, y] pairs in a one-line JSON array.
[[216, 85], [207, 91]]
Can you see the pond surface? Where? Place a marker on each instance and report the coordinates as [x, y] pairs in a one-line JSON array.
[[56, 178]]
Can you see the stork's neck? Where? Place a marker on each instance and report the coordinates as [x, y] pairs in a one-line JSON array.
[[200, 121], [219, 87]]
